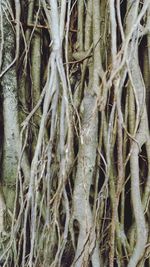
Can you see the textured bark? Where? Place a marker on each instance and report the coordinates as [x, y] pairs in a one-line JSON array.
[[75, 166], [10, 115], [86, 247]]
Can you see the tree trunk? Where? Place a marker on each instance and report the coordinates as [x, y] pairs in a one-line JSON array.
[[74, 131]]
